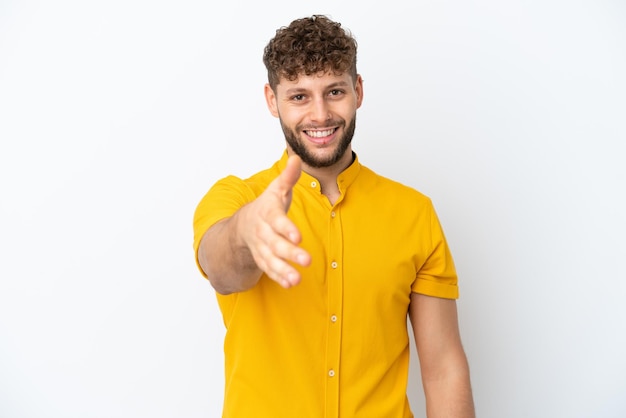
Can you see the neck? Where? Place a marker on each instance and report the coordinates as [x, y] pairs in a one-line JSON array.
[[327, 176]]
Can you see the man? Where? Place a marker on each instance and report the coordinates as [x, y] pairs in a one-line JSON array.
[[318, 260]]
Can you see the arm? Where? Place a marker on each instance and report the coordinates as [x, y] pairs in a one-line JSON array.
[[258, 238], [445, 372]]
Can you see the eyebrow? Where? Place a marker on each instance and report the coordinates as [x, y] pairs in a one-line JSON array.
[[297, 90]]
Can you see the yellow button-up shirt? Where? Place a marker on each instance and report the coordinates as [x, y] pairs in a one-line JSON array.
[[337, 344]]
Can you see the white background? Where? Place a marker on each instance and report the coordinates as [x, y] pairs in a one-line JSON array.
[[117, 116]]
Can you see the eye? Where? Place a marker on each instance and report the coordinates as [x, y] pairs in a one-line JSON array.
[[335, 92], [298, 97]]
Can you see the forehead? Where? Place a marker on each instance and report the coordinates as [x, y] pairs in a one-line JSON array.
[[320, 81]]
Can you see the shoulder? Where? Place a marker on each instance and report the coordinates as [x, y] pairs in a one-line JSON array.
[[251, 187], [389, 189]]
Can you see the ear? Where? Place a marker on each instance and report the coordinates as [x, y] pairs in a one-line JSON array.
[[359, 90], [270, 99]]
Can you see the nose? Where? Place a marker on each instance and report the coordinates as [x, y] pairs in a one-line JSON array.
[[320, 111]]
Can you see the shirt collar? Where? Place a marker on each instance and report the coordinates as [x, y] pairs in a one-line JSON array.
[[344, 180]]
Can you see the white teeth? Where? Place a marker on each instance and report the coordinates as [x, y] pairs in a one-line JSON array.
[[320, 134]]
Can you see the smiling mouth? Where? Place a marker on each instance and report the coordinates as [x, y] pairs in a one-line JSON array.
[[320, 134]]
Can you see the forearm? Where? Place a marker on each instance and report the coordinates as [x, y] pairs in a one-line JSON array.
[[225, 259], [448, 391], [444, 366]]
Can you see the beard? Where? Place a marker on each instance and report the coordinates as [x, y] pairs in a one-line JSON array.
[[298, 146]]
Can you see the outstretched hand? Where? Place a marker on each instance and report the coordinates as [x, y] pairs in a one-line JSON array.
[[270, 235]]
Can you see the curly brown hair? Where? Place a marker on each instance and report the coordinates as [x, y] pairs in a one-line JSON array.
[[309, 46]]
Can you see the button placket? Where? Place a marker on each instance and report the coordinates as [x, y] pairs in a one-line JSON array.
[[334, 275]]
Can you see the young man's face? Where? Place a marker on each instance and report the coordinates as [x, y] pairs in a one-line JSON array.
[[318, 115]]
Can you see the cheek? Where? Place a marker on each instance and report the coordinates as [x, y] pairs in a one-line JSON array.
[[289, 117]]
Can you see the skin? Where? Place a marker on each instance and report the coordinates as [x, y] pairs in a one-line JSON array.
[[261, 238], [318, 103], [444, 367]]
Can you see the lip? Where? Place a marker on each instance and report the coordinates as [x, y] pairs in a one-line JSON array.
[[320, 140]]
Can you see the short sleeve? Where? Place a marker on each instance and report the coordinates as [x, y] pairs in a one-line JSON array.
[[437, 276], [224, 198]]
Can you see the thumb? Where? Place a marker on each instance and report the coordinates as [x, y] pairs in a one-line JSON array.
[[290, 175]]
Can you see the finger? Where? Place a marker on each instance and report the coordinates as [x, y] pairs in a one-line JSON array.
[[287, 250], [280, 238], [282, 273], [283, 226], [277, 268]]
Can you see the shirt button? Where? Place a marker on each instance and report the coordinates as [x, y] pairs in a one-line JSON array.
[[331, 373], [332, 214], [333, 318], [333, 264], [313, 184]]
